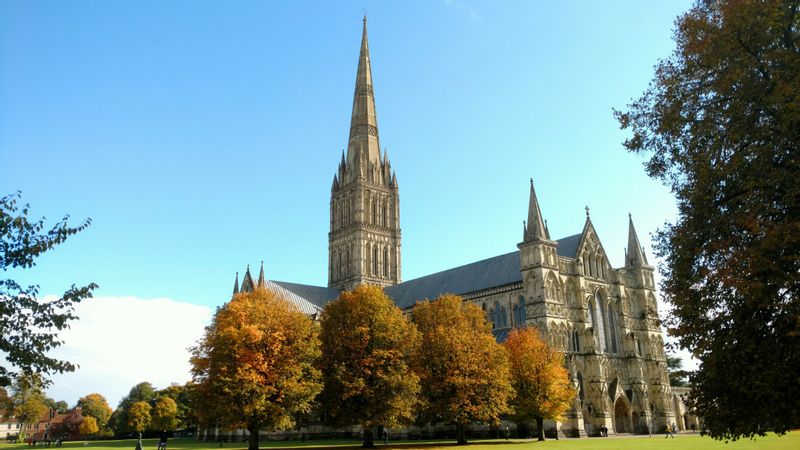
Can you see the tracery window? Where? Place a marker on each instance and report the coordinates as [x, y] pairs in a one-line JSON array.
[[612, 329], [596, 316]]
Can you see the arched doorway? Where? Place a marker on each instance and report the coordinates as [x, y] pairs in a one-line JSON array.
[[622, 416]]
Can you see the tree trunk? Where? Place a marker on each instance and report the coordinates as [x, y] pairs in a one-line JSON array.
[[253, 441], [369, 439], [460, 435], [540, 426]]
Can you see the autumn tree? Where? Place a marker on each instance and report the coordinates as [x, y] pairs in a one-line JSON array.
[[367, 344], [139, 417], [88, 426], [254, 367], [183, 395], [542, 386], [30, 325], [95, 405], [720, 124], [464, 372], [71, 424], [164, 415], [27, 401], [141, 392]]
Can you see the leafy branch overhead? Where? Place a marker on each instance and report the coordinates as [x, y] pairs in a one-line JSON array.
[[29, 325]]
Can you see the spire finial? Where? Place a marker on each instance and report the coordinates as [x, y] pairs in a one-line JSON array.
[[261, 281], [587, 211]]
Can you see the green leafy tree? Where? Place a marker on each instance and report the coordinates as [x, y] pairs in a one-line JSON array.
[[183, 396], [29, 326], [142, 392], [463, 371], [720, 123], [677, 376], [164, 415], [95, 405], [254, 367], [139, 417], [367, 345]]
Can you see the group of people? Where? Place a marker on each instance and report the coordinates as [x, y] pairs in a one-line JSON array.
[[45, 443], [603, 431]]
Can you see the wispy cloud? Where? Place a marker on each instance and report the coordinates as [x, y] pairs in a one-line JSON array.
[[468, 9], [121, 341]]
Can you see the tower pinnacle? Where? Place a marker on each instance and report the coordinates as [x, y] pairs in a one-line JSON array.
[[634, 255], [535, 226]]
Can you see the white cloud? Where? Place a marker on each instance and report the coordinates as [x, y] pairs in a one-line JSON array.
[[121, 341]]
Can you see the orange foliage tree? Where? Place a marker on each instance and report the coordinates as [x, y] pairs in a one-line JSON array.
[[255, 365], [463, 371], [367, 345], [541, 382]]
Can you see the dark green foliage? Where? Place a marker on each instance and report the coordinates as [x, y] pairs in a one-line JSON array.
[[142, 392], [21, 312], [720, 123], [677, 376]]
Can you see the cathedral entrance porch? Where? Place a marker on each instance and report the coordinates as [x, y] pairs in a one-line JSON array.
[[622, 416]]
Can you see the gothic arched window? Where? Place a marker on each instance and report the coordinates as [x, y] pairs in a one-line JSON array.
[[612, 329], [386, 261], [522, 312], [596, 315], [375, 260]]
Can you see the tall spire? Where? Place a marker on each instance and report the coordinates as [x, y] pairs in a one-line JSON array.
[[236, 284], [364, 122], [634, 254], [535, 225], [261, 282]]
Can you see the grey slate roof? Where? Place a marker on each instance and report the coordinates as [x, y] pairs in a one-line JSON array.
[[488, 273], [568, 246], [316, 295], [497, 271], [301, 302]]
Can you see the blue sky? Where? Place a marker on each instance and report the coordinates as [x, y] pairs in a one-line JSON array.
[[203, 136]]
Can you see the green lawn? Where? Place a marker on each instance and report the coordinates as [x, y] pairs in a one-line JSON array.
[[790, 441]]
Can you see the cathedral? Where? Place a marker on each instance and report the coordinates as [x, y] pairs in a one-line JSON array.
[[603, 319]]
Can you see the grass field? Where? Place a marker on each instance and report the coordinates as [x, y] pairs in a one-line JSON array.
[[791, 441]]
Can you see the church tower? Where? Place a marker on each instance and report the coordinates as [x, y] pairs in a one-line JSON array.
[[364, 238]]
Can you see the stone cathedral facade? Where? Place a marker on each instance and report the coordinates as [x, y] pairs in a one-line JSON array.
[[603, 319]]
